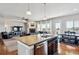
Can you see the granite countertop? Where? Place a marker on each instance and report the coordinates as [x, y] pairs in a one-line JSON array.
[[33, 39]]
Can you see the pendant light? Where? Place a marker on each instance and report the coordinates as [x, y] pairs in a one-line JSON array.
[[44, 11], [28, 12]]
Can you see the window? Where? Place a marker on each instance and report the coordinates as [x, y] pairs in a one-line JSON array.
[[76, 24], [57, 25], [38, 26], [2, 28], [69, 24], [44, 26]]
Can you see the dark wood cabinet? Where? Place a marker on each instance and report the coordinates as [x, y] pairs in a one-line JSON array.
[[52, 46], [40, 48]]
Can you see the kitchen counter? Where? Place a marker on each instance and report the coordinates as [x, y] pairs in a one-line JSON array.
[[33, 39], [33, 44]]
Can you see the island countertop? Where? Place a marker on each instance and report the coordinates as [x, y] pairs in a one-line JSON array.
[[33, 39]]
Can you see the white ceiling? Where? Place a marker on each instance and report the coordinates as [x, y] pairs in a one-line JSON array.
[[52, 10]]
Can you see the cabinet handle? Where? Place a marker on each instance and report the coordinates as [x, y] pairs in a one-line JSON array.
[[39, 46]]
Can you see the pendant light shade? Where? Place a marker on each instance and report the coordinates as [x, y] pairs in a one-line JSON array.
[[28, 12]]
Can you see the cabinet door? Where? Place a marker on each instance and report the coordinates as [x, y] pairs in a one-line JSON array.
[[24, 49], [52, 47]]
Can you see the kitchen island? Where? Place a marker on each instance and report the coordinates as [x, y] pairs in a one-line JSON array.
[[33, 44]]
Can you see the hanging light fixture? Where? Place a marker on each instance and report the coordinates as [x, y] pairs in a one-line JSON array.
[[44, 11], [28, 12]]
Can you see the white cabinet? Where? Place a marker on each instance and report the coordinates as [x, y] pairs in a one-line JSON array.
[[24, 49]]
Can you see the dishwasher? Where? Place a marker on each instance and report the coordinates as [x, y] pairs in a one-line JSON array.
[[40, 48]]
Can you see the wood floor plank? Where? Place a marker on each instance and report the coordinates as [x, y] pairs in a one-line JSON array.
[[68, 49], [4, 51], [63, 47]]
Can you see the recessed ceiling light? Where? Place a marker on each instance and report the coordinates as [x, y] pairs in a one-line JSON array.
[[6, 26], [44, 18], [75, 9]]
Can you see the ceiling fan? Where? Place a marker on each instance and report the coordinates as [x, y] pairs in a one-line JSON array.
[[23, 18]]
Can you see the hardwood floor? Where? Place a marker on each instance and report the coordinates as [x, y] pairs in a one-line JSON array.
[[4, 51], [68, 49], [65, 50]]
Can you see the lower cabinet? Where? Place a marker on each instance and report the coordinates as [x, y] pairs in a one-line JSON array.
[[24, 49], [43, 48], [40, 48], [46, 48], [52, 47]]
